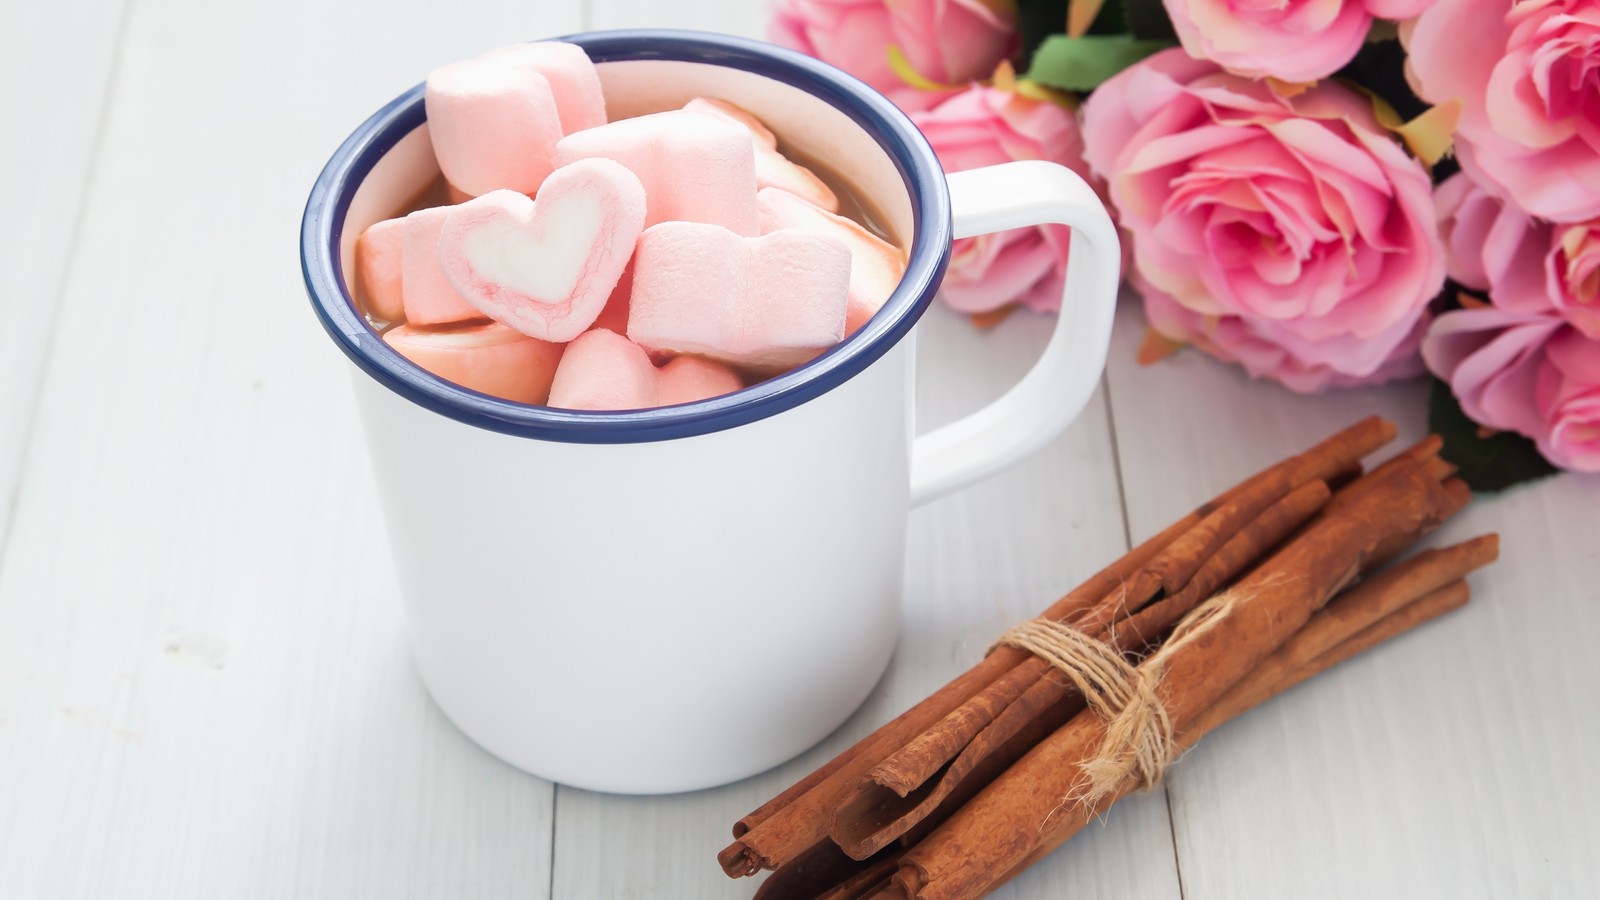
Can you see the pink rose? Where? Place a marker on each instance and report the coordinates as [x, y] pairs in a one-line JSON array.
[[1524, 371], [1529, 363], [983, 126], [1292, 224], [1524, 264], [1266, 351], [1528, 77], [945, 42], [1291, 40]]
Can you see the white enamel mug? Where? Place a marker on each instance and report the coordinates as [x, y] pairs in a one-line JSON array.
[[670, 599]]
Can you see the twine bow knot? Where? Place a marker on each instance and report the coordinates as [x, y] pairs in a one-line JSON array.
[[1140, 737]]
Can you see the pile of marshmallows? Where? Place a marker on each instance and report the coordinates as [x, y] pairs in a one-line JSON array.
[[644, 262]]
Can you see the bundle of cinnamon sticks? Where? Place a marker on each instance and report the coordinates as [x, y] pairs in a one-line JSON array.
[[1271, 583]]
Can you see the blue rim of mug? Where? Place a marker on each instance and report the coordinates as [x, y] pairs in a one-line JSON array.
[[929, 253]]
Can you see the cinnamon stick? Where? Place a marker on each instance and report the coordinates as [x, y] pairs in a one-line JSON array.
[[1419, 452], [1271, 527], [1003, 824], [1170, 570], [1450, 597], [798, 819], [1424, 452], [1352, 623], [1357, 608], [878, 811], [825, 872], [1254, 691], [869, 819], [1274, 680], [867, 882]]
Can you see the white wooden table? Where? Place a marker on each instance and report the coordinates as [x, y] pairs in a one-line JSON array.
[[204, 687]]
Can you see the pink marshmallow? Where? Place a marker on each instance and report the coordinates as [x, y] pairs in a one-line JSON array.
[[378, 253], [547, 266], [604, 370], [723, 109], [495, 120], [875, 264], [773, 169], [488, 358], [573, 80], [763, 303], [695, 167], [686, 379], [425, 292]]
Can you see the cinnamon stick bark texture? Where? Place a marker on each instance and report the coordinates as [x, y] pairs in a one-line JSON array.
[[825, 872], [1261, 685], [876, 812], [1267, 682], [1000, 827], [798, 820], [1169, 572]]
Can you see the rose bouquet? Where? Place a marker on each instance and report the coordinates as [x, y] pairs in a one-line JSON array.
[[1327, 193]]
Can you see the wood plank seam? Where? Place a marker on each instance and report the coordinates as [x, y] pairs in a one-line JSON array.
[[1127, 537], [1116, 459]]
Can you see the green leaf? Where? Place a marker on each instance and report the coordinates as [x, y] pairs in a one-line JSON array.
[[1082, 63], [1491, 463]]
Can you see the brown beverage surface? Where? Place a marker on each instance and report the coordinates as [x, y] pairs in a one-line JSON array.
[[853, 203]]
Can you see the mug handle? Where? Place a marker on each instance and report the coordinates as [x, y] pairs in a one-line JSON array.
[[1055, 390]]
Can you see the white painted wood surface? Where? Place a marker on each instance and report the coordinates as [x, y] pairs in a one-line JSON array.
[[203, 683], [48, 139]]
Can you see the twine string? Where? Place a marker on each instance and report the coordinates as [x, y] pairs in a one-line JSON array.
[[1140, 738]]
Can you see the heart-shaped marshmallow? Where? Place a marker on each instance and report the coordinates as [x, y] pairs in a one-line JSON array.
[[546, 266], [773, 169], [762, 303], [695, 167], [875, 264], [604, 370], [488, 358], [494, 120]]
